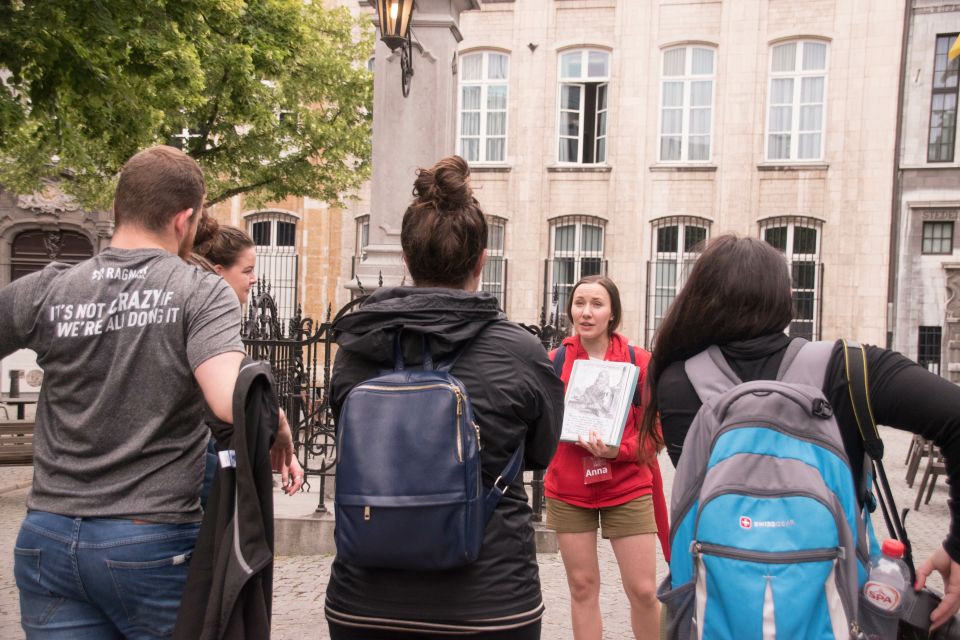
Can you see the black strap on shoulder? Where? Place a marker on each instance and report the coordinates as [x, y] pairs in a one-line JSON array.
[[558, 359], [858, 385]]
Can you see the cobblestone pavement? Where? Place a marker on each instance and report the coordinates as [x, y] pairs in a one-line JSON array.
[[299, 582]]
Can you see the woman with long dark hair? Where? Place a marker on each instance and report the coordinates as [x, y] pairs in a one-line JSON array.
[[623, 504], [517, 400], [738, 297]]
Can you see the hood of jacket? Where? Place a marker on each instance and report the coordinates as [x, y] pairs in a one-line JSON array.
[[446, 318]]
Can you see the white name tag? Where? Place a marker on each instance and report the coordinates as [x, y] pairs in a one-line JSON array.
[[228, 458]]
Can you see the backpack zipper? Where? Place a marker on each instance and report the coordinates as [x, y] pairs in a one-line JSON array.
[[770, 557], [421, 387]]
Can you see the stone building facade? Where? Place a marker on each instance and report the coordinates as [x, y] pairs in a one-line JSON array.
[[926, 305], [613, 135]]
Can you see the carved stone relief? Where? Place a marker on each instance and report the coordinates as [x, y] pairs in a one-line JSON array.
[[951, 342]]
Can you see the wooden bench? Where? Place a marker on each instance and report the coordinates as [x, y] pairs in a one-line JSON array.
[[16, 443]]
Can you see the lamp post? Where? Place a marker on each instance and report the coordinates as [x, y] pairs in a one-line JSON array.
[[394, 18]]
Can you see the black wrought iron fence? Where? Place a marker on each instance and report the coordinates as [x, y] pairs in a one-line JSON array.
[[300, 352]]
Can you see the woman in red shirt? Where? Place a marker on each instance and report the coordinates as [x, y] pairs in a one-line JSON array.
[[625, 499]]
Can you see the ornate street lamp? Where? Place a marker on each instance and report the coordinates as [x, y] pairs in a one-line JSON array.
[[394, 17]]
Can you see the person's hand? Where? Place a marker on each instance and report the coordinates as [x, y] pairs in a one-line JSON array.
[[596, 446], [950, 571], [282, 458]]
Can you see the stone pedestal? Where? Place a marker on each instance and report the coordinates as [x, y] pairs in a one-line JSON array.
[[410, 132]]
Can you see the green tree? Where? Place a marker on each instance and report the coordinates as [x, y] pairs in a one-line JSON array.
[[275, 94]]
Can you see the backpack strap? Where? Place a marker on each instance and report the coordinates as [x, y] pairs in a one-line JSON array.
[[558, 358], [805, 362], [503, 482], [710, 373]]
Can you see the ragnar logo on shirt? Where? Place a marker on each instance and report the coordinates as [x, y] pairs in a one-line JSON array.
[[111, 273]]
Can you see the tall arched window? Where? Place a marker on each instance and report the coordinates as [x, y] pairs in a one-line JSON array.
[[275, 235], [576, 250], [799, 240], [582, 108], [677, 243], [483, 106], [797, 101], [494, 277], [686, 104]]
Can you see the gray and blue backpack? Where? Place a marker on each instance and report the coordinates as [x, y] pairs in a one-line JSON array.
[[768, 537]]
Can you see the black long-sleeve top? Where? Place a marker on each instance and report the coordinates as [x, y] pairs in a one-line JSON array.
[[904, 395]]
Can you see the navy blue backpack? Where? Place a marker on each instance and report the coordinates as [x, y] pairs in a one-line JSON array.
[[409, 491]]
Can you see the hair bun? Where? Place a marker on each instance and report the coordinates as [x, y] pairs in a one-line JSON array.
[[445, 186], [207, 230]]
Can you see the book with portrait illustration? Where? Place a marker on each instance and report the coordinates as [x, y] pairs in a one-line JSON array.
[[598, 399]]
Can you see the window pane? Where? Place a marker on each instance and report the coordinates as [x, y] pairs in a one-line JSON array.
[[672, 94], [776, 236], [673, 62], [591, 239], [591, 267], [785, 57], [781, 91], [702, 63], [261, 234], [670, 148], [564, 237], [569, 123], [602, 124], [286, 234], [811, 90], [804, 277], [699, 121], [495, 236], [937, 237], [495, 149], [811, 118], [569, 150], [601, 150], [470, 149], [570, 97], [814, 56], [497, 96], [672, 121], [470, 98], [667, 239], [497, 66], [471, 67], [602, 96], [701, 93], [497, 123], [692, 237], [598, 65], [699, 148], [779, 146], [780, 118], [470, 124], [809, 148], [571, 65], [804, 240], [667, 274]]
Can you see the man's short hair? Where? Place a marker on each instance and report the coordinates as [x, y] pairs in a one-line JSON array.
[[154, 185]]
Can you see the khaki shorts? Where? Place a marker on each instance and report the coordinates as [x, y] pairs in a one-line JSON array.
[[628, 519]]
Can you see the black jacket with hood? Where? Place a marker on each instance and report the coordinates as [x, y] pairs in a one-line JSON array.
[[517, 398]]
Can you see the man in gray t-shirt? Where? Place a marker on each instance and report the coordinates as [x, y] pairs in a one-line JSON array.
[[132, 342]]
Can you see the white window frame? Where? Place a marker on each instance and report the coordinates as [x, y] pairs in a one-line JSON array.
[[792, 223], [797, 75], [602, 83], [277, 264], [687, 78], [484, 83], [682, 258]]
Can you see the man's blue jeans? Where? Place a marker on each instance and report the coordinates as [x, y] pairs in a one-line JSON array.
[[97, 578]]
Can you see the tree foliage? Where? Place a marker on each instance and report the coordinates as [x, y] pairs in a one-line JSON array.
[[275, 93]]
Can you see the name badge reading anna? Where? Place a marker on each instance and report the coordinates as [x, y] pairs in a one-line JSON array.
[[596, 470]]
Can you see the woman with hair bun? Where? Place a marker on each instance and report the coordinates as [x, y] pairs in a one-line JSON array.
[[229, 252], [517, 400]]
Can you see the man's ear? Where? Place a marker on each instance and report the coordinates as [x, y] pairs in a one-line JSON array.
[[181, 222]]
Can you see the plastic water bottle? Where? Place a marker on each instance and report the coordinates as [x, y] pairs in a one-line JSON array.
[[889, 578]]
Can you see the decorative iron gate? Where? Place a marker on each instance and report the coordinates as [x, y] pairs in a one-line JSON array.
[[300, 352]]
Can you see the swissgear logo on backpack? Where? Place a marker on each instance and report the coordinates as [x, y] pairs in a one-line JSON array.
[[745, 522]]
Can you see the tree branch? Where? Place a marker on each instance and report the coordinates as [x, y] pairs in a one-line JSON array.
[[229, 193]]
